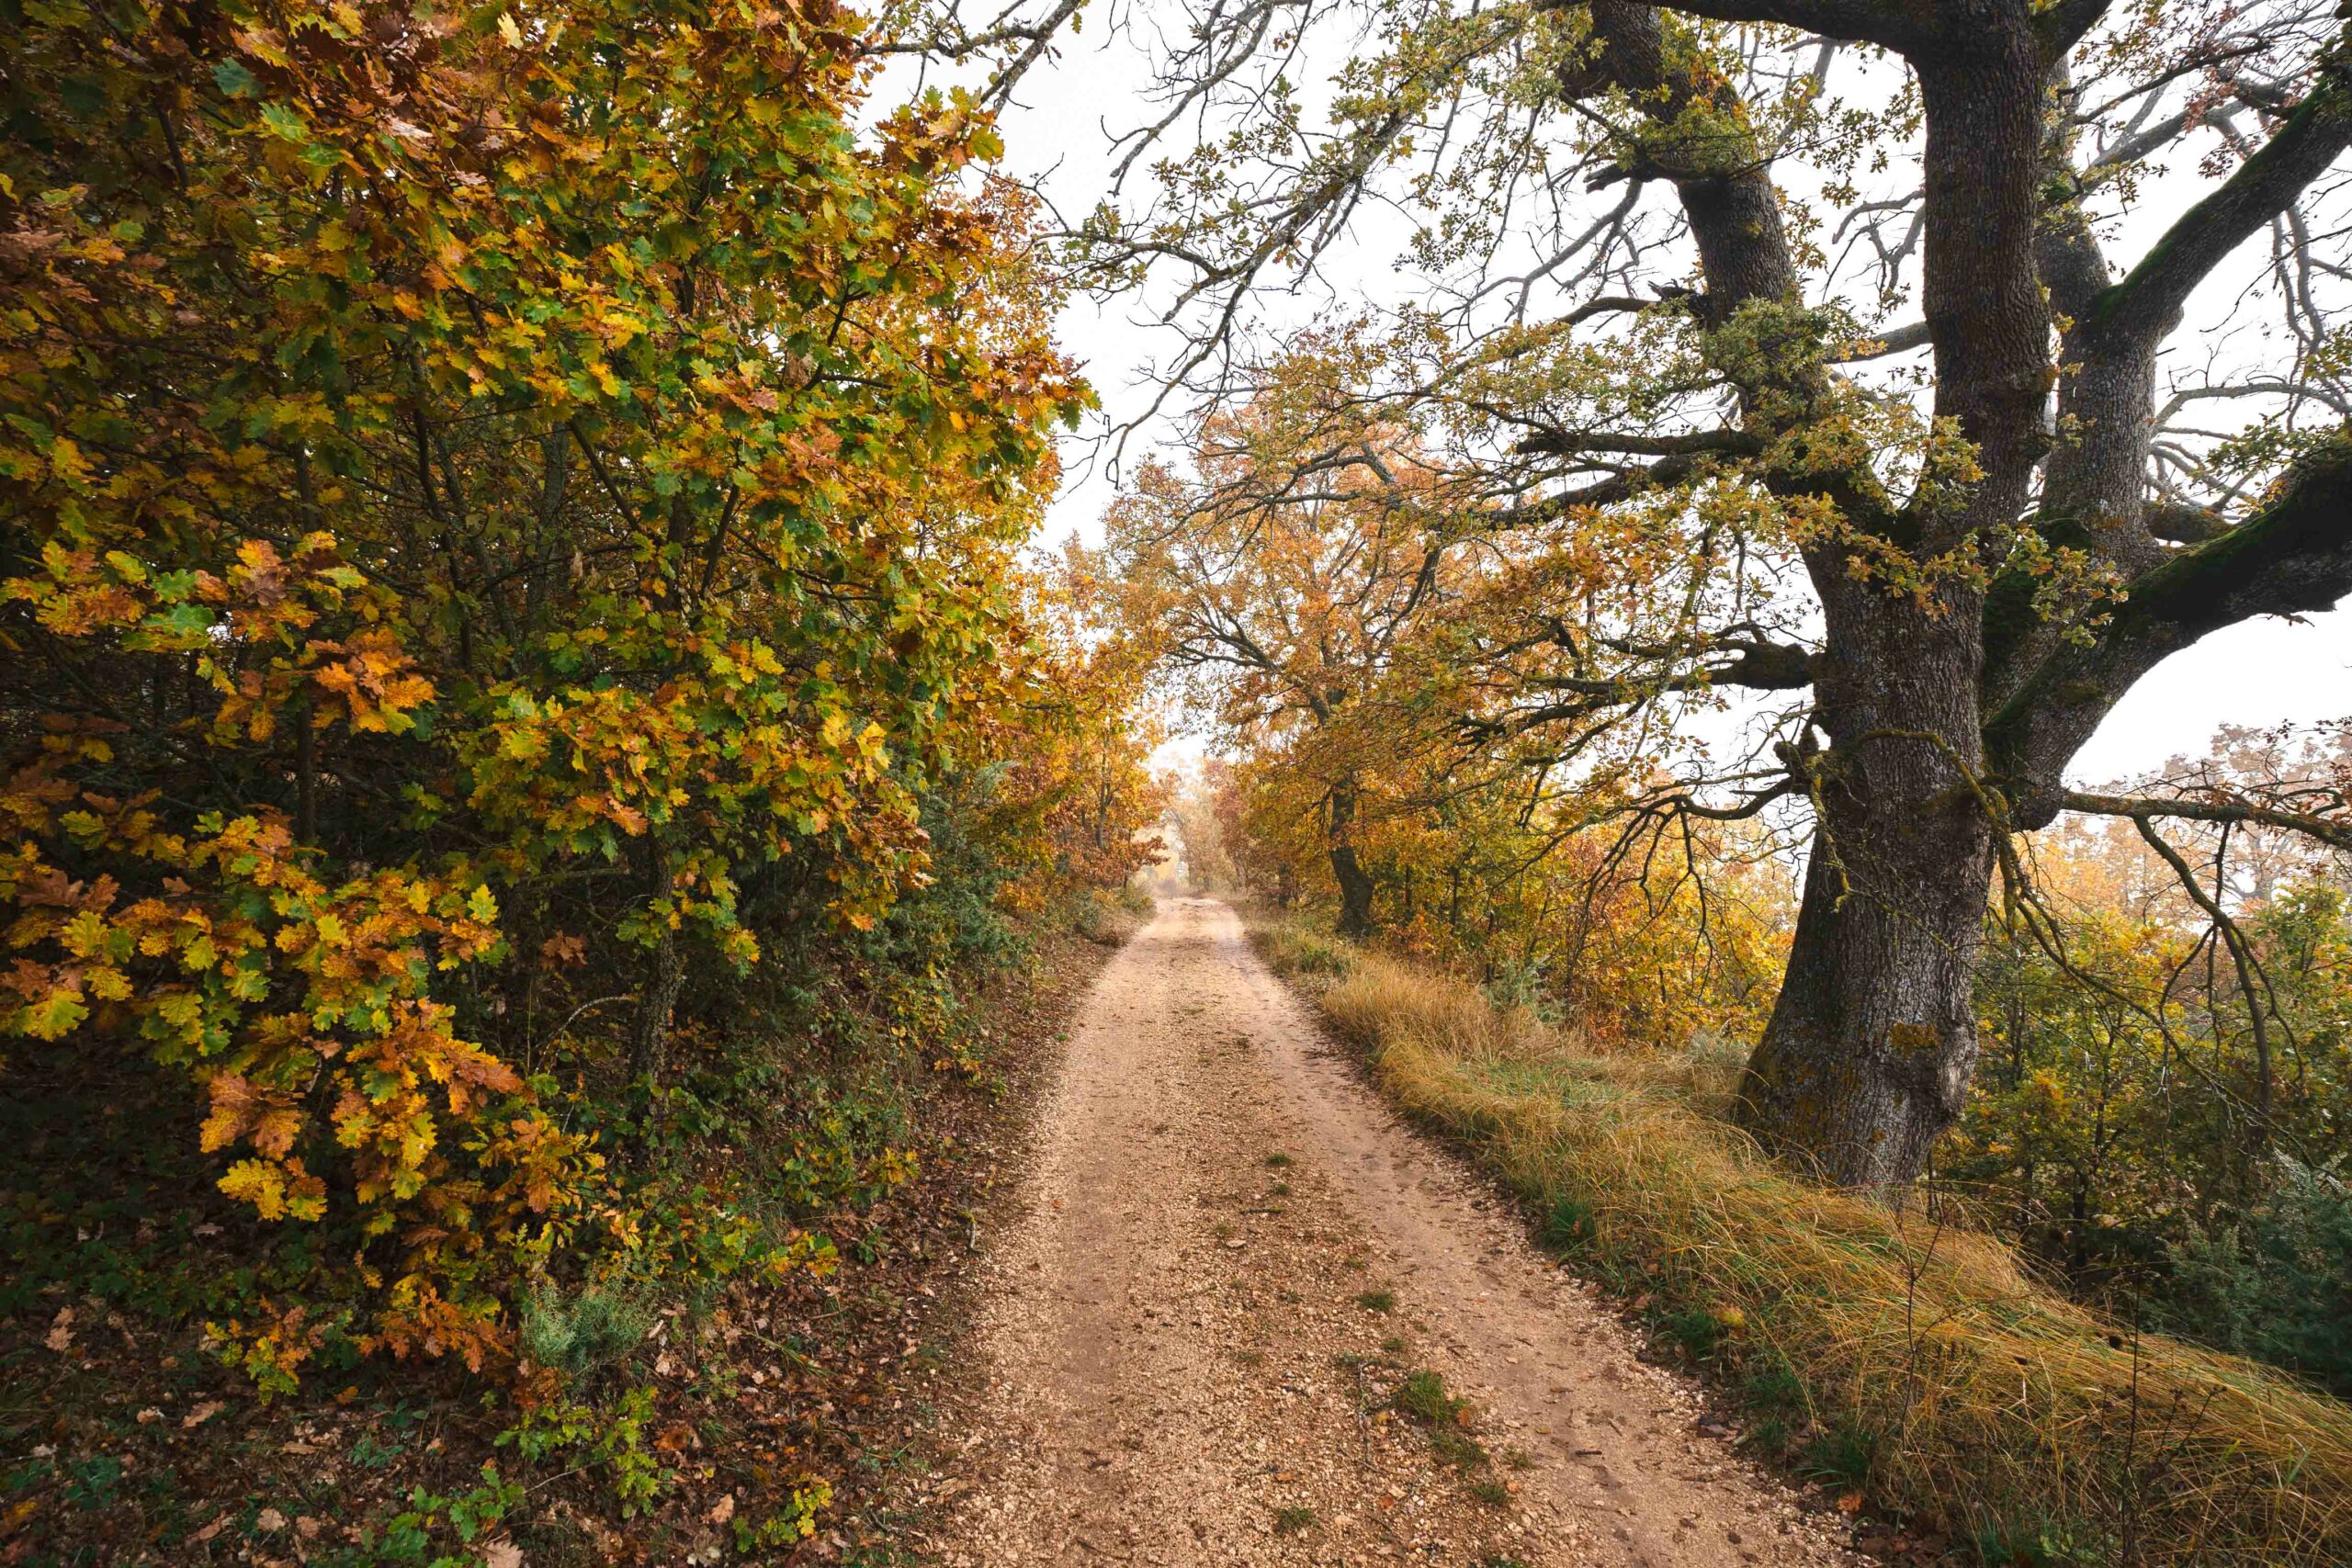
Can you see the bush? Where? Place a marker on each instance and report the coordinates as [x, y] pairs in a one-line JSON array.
[[2278, 1286], [582, 1336], [1111, 917], [413, 882], [1294, 948]]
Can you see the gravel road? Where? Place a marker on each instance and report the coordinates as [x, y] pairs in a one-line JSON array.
[[1229, 1255]]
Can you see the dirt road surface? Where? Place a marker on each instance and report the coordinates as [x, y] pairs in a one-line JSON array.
[[1230, 1255]]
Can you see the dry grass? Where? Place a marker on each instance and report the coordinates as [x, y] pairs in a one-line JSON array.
[[1910, 1359], [1112, 917]]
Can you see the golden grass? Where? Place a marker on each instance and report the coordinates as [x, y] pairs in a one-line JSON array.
[[1914, 1361], [1110, 919]]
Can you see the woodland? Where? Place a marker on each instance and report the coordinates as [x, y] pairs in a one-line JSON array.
[[538, 709]]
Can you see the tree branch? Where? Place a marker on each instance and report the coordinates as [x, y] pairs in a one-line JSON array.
[[1863, 21], [2140, 807], [1894, 340], [2148, 301], [1564, 442], [2292, 557]]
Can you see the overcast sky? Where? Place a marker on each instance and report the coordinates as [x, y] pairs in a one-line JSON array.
[[2262, 673]]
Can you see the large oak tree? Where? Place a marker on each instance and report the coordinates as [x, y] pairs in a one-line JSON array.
[[1865, 306]]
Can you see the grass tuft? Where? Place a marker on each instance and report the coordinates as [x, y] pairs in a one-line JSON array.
[[1422, 1397], [581, 1334], [1898, 1354]]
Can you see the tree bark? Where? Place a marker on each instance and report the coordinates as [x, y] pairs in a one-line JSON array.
[[1866, 1059], [665, 976], [649, 1032], [1355, 883]]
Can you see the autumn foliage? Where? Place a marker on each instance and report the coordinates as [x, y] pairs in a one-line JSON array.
[[508, 530]]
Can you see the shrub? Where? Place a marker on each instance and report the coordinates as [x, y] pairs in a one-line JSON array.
[[482, 623], [2278, 1285], [590, 1331], [1292, 949]]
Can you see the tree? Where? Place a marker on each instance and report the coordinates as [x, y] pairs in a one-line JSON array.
[[530, 483], [1290, 602], [1959, 562]]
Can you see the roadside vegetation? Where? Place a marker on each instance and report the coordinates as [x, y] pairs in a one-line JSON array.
[[1901, 1355], [527, 724]]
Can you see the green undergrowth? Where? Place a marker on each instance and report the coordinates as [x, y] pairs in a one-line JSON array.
[[719, 1349], [1109, 916], [1901, 1355]]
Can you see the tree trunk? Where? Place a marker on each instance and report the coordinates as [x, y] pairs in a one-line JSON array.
[[665, 976], [1355, 883], [1866, 1059], [649, 1032]]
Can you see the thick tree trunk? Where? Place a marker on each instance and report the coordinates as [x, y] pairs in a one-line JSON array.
[[1355, 883], [1867, 1056], [1866, 1060]]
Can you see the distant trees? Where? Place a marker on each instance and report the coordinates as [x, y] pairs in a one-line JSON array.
[[1280, 597]]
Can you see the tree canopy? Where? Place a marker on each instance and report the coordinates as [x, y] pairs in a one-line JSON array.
[[1831, 351], [510, 525]]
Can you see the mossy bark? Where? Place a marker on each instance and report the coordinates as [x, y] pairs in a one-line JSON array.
[[1866, 1059]]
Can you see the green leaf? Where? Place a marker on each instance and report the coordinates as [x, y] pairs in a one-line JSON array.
[[285, 124]]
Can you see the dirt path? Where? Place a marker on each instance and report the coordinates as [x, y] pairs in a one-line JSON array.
[[1232, 1253]]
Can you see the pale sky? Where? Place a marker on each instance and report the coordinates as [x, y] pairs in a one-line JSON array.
[[2261, 673]]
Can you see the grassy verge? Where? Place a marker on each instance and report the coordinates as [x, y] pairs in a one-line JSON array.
[[1111, 917], [1902, 1358]]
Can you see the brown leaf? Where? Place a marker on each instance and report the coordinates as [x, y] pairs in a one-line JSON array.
[[201, 1413]]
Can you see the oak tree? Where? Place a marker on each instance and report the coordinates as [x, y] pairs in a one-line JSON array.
[[1856, 313]]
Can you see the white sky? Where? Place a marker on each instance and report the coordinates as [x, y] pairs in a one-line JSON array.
[[2261, 673]]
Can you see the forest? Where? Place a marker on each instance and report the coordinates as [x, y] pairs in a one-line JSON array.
[[564, 758]]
